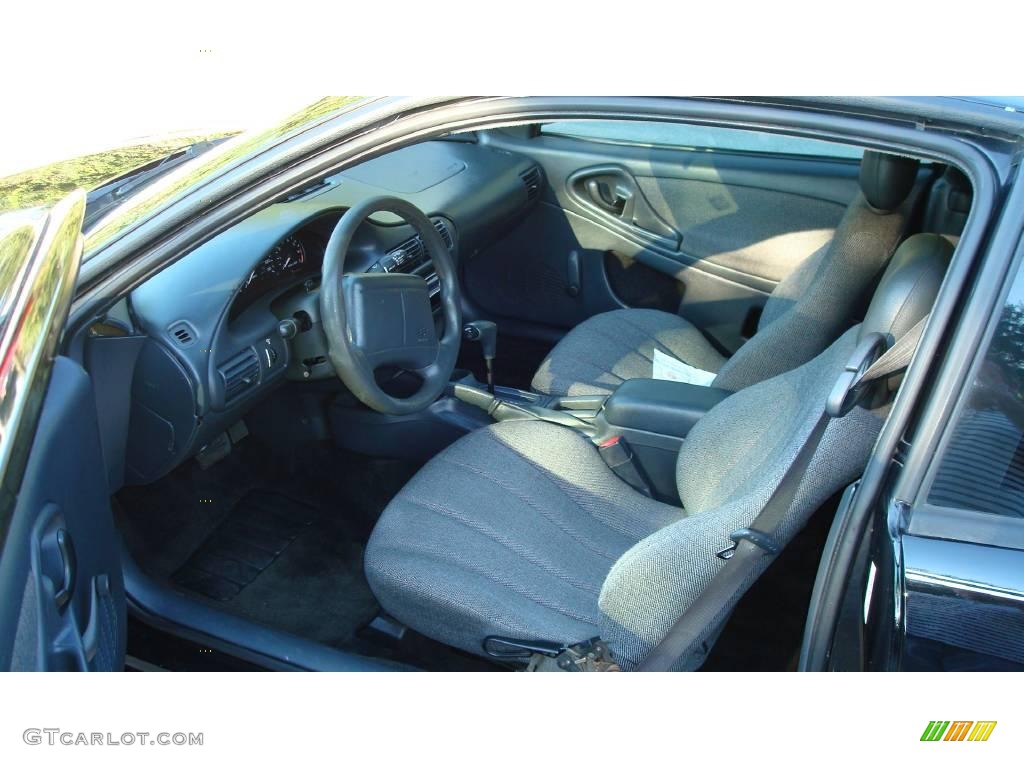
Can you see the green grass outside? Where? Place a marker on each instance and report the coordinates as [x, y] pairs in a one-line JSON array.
[[49, 183]]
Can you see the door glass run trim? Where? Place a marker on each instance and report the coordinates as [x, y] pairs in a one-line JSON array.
[[966, 525], [46, 251]]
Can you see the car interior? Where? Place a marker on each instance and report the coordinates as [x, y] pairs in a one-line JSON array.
[[509, 399]]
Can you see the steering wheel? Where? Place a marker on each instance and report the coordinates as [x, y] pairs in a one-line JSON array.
[[375, 319]]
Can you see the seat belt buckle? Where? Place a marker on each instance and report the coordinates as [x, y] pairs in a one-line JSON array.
[[849, 388], [621, 460], [760, 540]]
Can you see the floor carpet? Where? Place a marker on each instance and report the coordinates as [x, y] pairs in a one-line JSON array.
[[271, 537]]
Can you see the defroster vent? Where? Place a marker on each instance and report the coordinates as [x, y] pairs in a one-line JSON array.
[[182, 333]]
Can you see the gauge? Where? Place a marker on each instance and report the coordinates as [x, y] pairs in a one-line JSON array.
[[288, 256]]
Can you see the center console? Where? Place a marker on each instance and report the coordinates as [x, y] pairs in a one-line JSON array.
[[654, 417], [508, 404], [638, 429], [644, 422]]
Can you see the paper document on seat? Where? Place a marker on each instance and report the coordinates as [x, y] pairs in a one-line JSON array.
[[667, 368]]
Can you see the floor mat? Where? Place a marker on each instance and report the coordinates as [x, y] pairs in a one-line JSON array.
[[244, 544], [315, 588], [273, 535]]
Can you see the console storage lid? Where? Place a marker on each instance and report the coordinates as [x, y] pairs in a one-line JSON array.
[[663, 407]]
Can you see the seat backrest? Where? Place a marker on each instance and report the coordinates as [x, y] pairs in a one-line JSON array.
[[811, 307], [736, 456]]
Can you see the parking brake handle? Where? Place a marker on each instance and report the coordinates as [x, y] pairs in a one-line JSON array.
[[503, 410]]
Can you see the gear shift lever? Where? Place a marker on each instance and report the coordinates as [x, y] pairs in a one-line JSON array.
[[486, 333]]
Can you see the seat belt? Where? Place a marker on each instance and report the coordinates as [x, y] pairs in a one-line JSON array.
[[751, 544]]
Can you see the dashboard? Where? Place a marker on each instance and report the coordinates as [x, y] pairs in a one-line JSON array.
[[212, 319]]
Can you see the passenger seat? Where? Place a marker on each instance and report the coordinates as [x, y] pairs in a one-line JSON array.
[[805, 313]]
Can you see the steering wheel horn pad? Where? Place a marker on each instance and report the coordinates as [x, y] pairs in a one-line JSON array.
[[380, 319], [390, 320]]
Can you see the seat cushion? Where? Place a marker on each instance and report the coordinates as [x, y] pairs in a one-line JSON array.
[[607, 349], [510, 531]]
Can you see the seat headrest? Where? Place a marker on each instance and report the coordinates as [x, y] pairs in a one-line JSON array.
[[949, 203], [886, 180], [958, 197], [909, 286]]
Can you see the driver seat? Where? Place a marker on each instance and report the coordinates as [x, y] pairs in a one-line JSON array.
[[520, 530]]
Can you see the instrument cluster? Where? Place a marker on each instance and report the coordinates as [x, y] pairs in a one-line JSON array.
[[293, 258], [288, 256]]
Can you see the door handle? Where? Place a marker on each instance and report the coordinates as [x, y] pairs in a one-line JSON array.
[[612, 192], [610, 199], [69, 566]]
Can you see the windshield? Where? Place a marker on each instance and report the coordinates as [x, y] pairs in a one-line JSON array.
[[200, 169], [45, 185], [145, 172], [108, 195]]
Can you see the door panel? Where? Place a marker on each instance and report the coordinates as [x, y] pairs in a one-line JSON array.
[[62, 601], [755, 231], [60, 570], [725, 226]]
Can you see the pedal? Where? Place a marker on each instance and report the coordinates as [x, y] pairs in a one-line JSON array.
[[383, 624], [214, 451], [238, 432]]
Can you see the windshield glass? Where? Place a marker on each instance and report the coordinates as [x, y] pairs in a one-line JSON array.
[[47, 184], [152, 168], [200, 169]]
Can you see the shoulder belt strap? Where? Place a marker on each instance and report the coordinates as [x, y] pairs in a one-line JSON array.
[[754, 543]]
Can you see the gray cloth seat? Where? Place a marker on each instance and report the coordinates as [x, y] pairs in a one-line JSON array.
[[520, 530], [805, 313], [538, 519], [600, 353]]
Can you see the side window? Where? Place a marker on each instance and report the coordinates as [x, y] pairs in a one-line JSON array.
[[983, 465], [697, 137]]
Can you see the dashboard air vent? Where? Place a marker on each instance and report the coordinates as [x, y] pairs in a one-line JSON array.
[[182, 333], [531, 178], [442, 228], [412, 253], [408, 255], [240, 374]]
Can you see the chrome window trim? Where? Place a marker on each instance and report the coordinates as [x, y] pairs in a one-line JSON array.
[[966, 525], [34, 310], [706, 148]]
